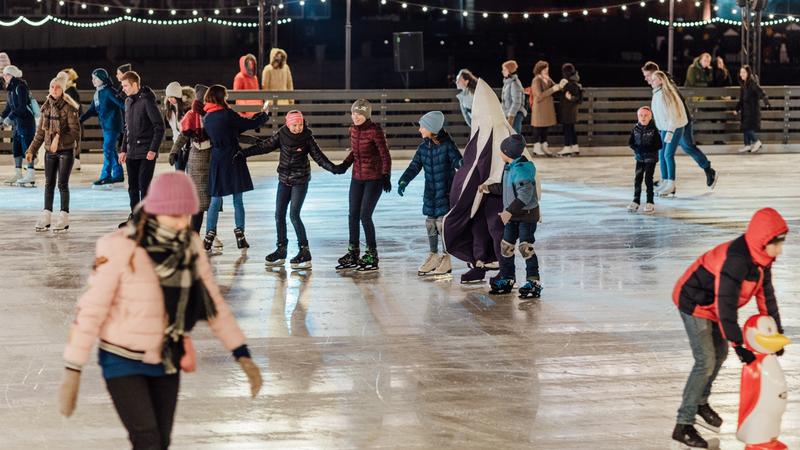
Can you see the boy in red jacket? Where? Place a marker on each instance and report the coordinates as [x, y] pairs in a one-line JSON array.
[[708, 296]]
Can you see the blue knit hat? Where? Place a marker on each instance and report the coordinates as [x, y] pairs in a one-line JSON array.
[[432, 121], [102, 75], [513, 146]]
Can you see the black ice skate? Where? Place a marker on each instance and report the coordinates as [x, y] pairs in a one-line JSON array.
[[711, 178], [531, 289], [124, 224], [473, 275], [241, 242], [349, 260], [688, 436], [708, 418], [276, 258], [208, 241], [302, 260], [369, 261], [500, 286], [102, 183]]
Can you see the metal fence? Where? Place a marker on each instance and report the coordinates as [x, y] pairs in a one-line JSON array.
[[605, 116]]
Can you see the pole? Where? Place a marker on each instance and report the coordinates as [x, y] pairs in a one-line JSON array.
[[348, 28], [671, 36], [273, 27], [261, 32]]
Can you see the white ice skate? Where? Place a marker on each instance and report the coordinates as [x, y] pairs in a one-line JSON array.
[[669, 189], [756, 147], [746, 149], [430, 264], [570, 150], [43, 224], [649, 208], [27, 180], [77, 165], [12, 180], [38, 164], [62, 223], [633, 207], [445, 267], [546, 149], [537, 150]]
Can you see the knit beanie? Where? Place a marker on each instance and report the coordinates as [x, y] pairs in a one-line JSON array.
[[513, 146], [293, 117], [13, 71], [125, 68], [174, 90], [511, 66], [200, 91], [102, 75], [4, 60], [172, 194], [60, 80], [363, 107], [432, 121]]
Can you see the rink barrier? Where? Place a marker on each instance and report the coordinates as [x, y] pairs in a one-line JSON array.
[[605, 116]]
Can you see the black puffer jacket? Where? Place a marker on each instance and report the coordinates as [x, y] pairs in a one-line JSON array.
[[645, 142], [293, 166], [749, 106], [144, 125]]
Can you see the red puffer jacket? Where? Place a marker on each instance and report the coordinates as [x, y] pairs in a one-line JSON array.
[[369, 153]]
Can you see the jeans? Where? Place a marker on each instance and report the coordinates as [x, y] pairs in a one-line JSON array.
[[540, 135], [750, 137], [364, 197], [691, 149], [215, 206], [666, 156], [295, 195], [111, 166], [434, 227], [140, 174], [570, 135], [709, 349], [644, 171], [523, 231], [19, 145], [517, 125], [57, 165], [146, 407]]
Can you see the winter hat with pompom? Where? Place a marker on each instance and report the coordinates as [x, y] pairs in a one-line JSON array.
[[172, 194]]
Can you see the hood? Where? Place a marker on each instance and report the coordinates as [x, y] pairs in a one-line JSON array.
[[65, 99], [765, 225], [243, 70], [575, 77], [187, 97], [146, 93], [102, 75], [276, 51]]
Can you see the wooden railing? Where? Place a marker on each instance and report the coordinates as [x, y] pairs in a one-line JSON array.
[[605, 116]]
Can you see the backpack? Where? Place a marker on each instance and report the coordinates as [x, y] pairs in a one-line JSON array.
[[33, 107]]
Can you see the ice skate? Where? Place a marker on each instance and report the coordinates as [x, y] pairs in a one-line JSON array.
[[571, 150], [711, 178], [649, 208], [430, 264], [688, 436], [208, 241], [302, 260], [445, 268], [531, 289], [745, 149], [537, 150], [102, 183], [217, 243], [708, 418], [546, 149], [500, 286], [62, 223], [756, 147], [369, 261], [43, 224], [117, 179], [28, 180], [349, 260], [77, 165], [12, 180], [241, 242], [475, 274], [668, 190], [633, 207], [276, 258]]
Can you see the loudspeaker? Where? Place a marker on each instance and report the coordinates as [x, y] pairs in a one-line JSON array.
[[408, 53]]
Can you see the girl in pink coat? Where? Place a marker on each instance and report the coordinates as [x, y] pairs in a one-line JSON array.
[[150, 284]]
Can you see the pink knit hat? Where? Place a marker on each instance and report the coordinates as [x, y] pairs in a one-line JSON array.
[[294, 117], [172, 194]]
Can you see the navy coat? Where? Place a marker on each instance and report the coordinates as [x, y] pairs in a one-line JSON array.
[[228, 175], [440, 162], [18, 107], [108, 108]]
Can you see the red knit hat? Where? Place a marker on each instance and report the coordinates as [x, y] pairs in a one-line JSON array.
[[293, 117], [172, 194]]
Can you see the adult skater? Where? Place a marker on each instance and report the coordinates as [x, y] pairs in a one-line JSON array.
[[708, 296], [19, 115], [108, 108], [277, 76], [144, 131], [686, 138], [513, 96], [72, 91], [544, 111], [749, 108], [150, 285], [246, 80], [568, 109], [466, 83], [59, 130], [177, 101]]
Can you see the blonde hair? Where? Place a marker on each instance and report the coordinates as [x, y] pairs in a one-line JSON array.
[[672, 99]]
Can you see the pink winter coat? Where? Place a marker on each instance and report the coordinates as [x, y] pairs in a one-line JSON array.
[[125, 307]]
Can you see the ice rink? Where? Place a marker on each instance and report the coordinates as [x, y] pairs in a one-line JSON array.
[[391, 360]]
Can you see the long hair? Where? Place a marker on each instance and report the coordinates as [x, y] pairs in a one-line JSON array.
[[669, 93], [472, 81], [751, 77], [539, 67], [218, 95]]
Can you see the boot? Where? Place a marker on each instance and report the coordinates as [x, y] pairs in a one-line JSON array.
[[649, 208], [62, 223], [475, 274], [444, 266], [431, 263], [208, 241], [711, 178], [241, 242], [43, 224], [350, 259], [276, 258], [576, 150], [745, 149], [302, 260], [369, 261], [669, 189], [708, 418], [687, 435], [217, 243], [633, 207], [546, 149]]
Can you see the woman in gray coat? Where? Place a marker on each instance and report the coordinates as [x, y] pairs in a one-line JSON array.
[[513, 96]]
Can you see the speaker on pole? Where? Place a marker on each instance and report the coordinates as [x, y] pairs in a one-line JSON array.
[[408, 52]]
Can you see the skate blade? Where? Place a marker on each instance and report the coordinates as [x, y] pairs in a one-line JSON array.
[[277, 263], [345, 268], [43, 229], [65, 230], [101, 187], [707, 426], [367, 269], [714, 184], [301, 266], [713, 444], [26, 185], [473, 282]]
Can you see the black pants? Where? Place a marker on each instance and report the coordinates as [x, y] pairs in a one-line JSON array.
[[539, 135], [146, 406], [570, 136], [57, 166], [364, 197], [197, 221], [295, 195], [140, 173], [643, 170]]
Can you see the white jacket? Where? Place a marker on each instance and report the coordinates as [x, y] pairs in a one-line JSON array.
[[666, 120]]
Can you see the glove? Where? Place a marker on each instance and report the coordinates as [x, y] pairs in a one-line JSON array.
[[401, 187], [239, 154], [172, 159], [387, 183], [339, 169], [68, 392], [253, 374], [7, 121], [745, 355], [780, 352]]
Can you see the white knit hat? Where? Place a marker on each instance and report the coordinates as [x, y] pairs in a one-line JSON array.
[[13, 71], [174, 89], [60, 81]]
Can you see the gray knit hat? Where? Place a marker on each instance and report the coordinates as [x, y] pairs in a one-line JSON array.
[[200, 91], [513, 146], [363, 107], [13, 71]]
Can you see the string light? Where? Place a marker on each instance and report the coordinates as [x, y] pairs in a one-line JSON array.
[[525, 16], [444, 12], [605, 10], [424, 9], [404, 5], [134, 19], [565, 14], [173, 12], [585, 12], [465, 14], [624, 7], [546, 15], [485, 15], [505, 15], [238, 10], [702, 23], [105, 8]]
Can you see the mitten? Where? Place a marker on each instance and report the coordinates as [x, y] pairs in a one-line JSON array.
[[401, 187], [253, 374], [68, 392], [387, 183], [745, 355], [172, 159]]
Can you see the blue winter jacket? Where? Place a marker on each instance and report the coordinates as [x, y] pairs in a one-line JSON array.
[[518, 189], [18, 107], [440, 162], [108, 108]]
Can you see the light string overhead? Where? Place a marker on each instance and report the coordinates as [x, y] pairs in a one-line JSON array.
[[702, 23], [105, 23], [544, 13]]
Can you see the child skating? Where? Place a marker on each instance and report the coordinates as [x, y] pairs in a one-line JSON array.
[[520, 215], [439, 157], [645, 141]]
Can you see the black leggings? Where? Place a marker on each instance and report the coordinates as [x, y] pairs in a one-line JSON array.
[[197, 221], [539, 135], [364, 197], [146, 406], [644, 170], [295, 195], [140, 174], [570, 136], [57, 165]]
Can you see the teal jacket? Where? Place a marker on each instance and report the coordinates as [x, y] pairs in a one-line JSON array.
[[518, 189]]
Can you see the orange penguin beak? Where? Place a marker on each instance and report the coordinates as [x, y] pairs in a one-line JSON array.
[[774, 342]]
